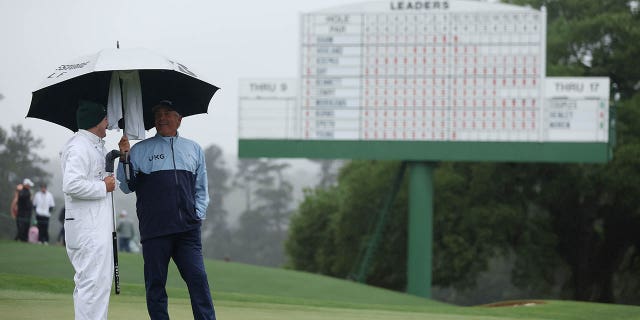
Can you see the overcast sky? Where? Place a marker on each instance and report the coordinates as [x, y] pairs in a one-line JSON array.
[[222, 41]]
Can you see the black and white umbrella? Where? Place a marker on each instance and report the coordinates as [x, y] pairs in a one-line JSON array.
[[128, 81]]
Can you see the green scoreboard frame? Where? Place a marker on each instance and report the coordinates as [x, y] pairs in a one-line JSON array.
[[500, 151]]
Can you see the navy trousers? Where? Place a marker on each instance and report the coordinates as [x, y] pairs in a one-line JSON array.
[[186, 251]]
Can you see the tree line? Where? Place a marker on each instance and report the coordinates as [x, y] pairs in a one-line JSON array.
[[263, 222], [17, 161]]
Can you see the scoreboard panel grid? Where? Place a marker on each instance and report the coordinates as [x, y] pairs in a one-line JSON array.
[[452, 76]]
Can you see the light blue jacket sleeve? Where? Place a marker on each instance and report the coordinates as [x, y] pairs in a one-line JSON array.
[[121, 178], [202, 186]]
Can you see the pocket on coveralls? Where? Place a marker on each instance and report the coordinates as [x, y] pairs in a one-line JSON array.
[[76, 229]]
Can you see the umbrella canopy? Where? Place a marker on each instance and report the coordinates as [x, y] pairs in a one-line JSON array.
[[90, 78]]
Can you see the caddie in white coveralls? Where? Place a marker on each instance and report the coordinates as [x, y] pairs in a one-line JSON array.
[[88, 218]]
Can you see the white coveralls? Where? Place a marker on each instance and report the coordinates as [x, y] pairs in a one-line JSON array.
[[88, 224]]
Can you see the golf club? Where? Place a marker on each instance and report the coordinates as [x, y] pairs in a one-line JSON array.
[[112, 155]]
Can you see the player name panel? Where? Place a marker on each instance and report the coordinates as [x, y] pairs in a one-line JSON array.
[[445, 74], [577, 109]]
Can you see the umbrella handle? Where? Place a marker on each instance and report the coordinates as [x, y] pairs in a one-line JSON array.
[[127, 174]]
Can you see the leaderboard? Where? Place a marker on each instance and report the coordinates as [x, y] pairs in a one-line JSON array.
[[427, 70]]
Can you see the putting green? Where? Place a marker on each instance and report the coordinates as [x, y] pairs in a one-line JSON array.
[[28, 305], [36, 283]]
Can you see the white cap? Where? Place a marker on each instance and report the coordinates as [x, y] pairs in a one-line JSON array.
[[123, 212], [27, 182]]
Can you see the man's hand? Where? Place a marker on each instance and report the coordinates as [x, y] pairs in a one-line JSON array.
[[124, 147], [110, 182]]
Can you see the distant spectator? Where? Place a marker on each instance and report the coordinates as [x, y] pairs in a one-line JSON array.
[[25, 206], [43, 201], [126, 231], [61, 233], [14, 201]]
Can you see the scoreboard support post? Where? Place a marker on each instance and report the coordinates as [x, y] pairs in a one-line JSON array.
[[420, 237]]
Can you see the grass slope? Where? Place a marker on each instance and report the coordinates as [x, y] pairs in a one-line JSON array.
[[36, 282]]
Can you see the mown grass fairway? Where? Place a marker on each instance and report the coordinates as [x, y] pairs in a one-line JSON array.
[[36, 283]]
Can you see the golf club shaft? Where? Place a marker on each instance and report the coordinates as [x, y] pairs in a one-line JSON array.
[[114, 235], [109, 167]]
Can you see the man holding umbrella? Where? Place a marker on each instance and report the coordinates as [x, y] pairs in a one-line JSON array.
[[169, 176], [88, 216]]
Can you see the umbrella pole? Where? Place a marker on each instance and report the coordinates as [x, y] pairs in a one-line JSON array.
[[127, 176], [124, 122]]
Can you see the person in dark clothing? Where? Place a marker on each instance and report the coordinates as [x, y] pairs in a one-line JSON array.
[[25, 209], [169, 176], [14, 208], [61, 233]]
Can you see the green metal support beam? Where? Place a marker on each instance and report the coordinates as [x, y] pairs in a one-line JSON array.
[[420, 246], [376, 235]]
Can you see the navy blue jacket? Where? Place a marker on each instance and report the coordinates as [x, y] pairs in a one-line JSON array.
[[169, 177]]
